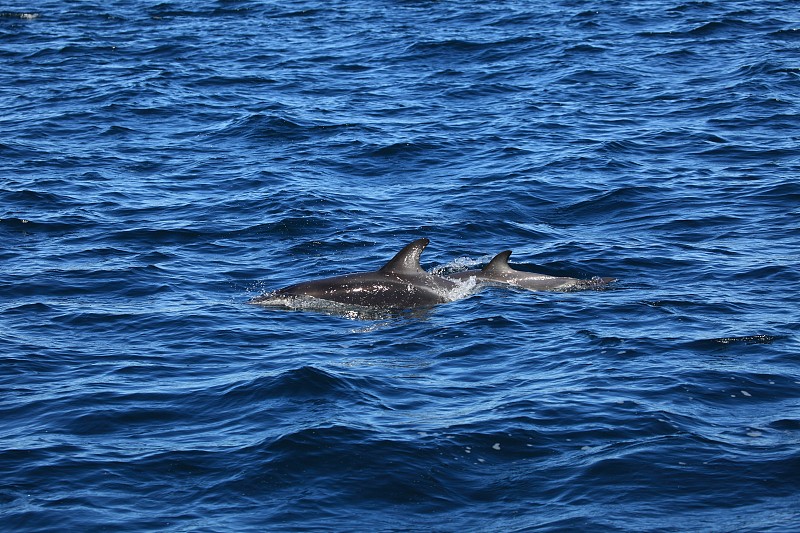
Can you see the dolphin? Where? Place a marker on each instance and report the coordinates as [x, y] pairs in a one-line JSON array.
[[399, 284], [499, 272]]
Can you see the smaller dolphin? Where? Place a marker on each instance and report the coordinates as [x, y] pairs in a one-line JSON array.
[[499, 272], [399, 284]]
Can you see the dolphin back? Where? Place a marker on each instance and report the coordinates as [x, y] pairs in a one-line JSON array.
[[407, 260], [499, 264]]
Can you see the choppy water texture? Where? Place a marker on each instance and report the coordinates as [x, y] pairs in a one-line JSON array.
[[161, 163]]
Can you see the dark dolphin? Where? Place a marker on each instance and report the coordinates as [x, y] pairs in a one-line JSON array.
[[498, 271], [399, 284]]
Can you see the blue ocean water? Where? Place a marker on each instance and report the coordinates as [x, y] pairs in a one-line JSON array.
[[163, 162]]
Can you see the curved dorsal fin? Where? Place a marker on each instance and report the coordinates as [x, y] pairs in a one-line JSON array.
[[407, 260], [499, 263]]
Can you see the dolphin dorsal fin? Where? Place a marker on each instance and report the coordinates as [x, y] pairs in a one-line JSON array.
[[499, 263], [407, 260]]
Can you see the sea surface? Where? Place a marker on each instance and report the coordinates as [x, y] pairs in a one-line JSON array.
[[162, 162]]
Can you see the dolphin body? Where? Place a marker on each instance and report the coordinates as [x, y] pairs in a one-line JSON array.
[[499, 272], [399, 284]]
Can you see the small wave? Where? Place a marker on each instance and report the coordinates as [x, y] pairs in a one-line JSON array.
[[19, 15], [302, 13], [23, 309], [791, 34], [156, 235], [718, 342], [281, 128], [785, 424], [727, 28], [747, 339], [402, 149], [459, 45], [717, 27], [761, 68], [225, 80], [37, 198], [610, 204], [586, 48], [25, 226], [303, 382], [298, 222]]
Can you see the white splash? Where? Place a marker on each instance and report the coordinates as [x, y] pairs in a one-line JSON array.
[[462, 289], [460, 264]]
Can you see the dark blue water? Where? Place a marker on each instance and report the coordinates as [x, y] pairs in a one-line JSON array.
[[163, 162]]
